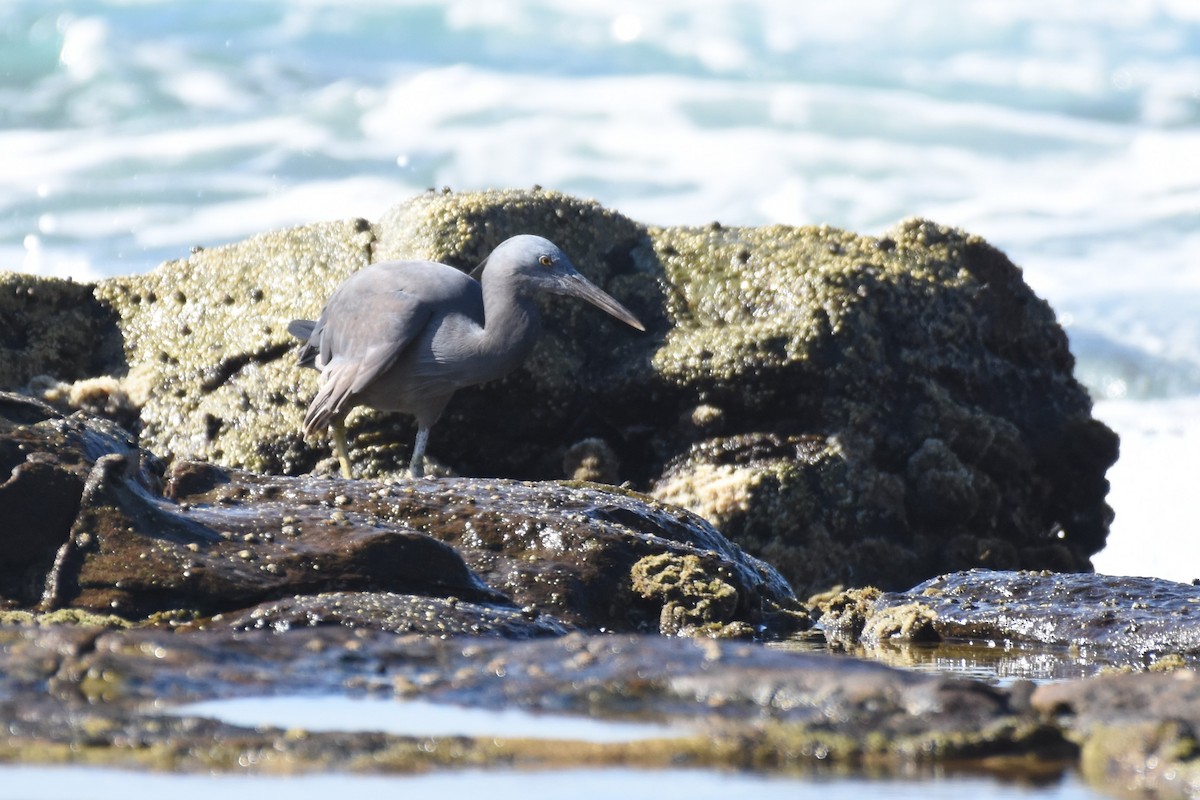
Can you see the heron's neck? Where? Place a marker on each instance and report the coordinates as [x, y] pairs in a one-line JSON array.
[[511, 324]]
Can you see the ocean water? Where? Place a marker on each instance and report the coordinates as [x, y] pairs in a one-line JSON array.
[[1066, 133]]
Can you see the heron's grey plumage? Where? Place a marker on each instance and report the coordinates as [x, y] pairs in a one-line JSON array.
[[405, 335]]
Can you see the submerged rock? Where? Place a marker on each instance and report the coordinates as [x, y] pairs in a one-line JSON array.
[[228, 547], [1142, 618], [853, 409]]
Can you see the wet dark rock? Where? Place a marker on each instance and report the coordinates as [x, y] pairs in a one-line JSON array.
[[135, 554], [853, 410], [395, 613], [47, 459], [221, 546], [1137, 731], [1142, 618], [568, 551]]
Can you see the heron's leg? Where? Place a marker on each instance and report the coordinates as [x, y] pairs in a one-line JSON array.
[[339, 447], [417, 467]]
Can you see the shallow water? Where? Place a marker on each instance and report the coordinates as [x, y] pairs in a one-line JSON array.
[[102, 784], [419, 718], [995, 663]]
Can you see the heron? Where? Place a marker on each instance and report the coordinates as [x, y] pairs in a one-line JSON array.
[[405, 335]]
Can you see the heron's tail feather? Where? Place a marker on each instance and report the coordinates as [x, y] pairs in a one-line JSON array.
[[303, 329], [327, 405]]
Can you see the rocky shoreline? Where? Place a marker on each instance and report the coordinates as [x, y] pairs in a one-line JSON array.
[[809, 408], [76, 694]]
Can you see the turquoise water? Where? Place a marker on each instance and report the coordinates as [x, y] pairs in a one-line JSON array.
[[1066, 133]]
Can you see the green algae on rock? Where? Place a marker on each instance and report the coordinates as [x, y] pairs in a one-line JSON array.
[[885, 406], [694, 598], [211, 329]]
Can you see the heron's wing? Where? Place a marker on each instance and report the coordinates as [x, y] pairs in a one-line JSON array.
[[360, 335], [392, 333]]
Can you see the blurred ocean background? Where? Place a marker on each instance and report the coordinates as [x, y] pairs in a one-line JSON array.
[[1066, 133]]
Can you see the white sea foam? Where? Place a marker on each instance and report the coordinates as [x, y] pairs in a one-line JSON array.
[[1156, 525]]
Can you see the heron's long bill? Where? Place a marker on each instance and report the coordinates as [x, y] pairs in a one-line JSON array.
[[579, 286]]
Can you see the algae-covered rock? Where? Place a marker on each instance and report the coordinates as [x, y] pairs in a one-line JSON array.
[[693, 597], [853, 409], [209, 334], [49, 325], [874, 408]]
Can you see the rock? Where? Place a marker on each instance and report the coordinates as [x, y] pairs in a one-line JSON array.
[[570, 552], [47, 458], [1138, 731], [895, 405], [49, 325], [227, 547], [1144, 619], [853, 409], [844, 614], [83, 695], [395, 613], [911, 622], [136, 555], [208, 333], [692, 596], [729, 705]]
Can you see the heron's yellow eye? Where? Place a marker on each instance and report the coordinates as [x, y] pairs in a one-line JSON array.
[[545, 261]]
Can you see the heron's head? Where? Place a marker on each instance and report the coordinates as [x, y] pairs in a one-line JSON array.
[[531, 265]]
